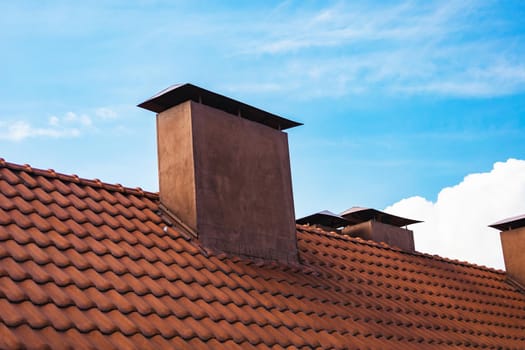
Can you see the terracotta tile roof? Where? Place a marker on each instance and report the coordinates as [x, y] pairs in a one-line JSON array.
[[88, 265]]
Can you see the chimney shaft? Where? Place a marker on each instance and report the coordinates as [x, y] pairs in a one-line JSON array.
[[227, 177], [513, 243], [376, 231]]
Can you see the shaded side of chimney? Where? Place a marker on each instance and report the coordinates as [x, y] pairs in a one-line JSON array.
[[379, 232], [227, 177]]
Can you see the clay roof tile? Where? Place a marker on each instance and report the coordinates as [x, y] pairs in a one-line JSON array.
[[9, 339], [91, 265]]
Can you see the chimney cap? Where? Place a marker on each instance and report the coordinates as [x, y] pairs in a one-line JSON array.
[[509, 223], [358, 215], [179, 93], [325, 218]]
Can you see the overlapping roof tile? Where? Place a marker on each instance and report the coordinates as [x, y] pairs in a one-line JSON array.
[[88, 265]]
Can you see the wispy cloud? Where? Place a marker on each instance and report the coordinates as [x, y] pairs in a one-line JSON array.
[[441, 48], [340, 25], [106, 113], [496, 80], [444, 48], [67, 126], [20, 130]]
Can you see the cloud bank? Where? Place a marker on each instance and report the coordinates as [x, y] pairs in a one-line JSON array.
[[456, 223]]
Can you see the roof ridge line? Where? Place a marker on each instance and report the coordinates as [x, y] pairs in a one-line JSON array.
[[359, 240], [95, 183]]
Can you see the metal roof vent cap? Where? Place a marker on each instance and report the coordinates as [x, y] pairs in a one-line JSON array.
[[324, 219]]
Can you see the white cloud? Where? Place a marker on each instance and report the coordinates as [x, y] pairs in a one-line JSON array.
[[69, 125], [456, 224], [20, 130]]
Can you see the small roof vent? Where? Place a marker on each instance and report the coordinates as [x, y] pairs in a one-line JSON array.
[[324, 218], [176, 94], [357, 215], [366, 223], [509, 223]]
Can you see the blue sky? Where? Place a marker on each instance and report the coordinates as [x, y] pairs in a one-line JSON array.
[[399, 98]]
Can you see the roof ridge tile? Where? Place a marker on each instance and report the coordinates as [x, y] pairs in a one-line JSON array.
[[96, 183]]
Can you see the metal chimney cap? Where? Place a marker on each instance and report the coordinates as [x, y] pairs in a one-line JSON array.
[[357, 215], [509, 223], [325, 218], [179, 93]]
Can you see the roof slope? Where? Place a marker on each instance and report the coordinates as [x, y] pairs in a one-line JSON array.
[[85, 264]]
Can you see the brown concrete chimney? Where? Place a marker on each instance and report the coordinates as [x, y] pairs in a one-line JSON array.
[[224, 170], [375, 225], [513, 243], [367, 223]]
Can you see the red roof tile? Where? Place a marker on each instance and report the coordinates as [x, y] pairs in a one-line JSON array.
[[85, 264]]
